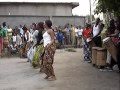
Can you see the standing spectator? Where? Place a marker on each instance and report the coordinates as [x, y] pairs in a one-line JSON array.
[[14, 39], [5, 40], [5, 27], [73, 35], [80, 30], [67, 29], [18, 40], [9, 32], [76, 37], [21, 30], [1, 40], [60, 38]]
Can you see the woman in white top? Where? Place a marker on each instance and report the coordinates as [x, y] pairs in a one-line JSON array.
[[49, 50]]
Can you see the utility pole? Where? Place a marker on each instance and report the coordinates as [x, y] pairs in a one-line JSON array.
[[90, 12]]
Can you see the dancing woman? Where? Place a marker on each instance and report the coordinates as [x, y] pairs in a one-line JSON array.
[[49, 51]]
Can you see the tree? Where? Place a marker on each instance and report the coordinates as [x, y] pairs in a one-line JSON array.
[[105, 6]]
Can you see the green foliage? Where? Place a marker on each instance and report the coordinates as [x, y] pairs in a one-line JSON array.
[[104, 6]]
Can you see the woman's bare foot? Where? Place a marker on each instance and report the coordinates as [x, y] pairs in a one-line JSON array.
[[51, 78], [46, 77]]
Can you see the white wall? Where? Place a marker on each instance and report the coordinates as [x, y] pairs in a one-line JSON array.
[[36, 9]]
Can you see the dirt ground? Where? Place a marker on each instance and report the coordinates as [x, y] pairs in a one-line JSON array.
[[71, 71]]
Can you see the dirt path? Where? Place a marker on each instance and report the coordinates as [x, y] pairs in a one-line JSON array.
[[71, 71]]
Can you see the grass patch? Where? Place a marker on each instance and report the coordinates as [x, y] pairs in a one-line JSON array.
[[70, 50]]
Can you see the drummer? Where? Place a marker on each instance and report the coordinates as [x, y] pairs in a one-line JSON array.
[[110, 31], [96, 33], [116, 37]]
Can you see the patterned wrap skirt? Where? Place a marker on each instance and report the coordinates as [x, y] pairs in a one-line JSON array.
[[47, 60], [86, 51]]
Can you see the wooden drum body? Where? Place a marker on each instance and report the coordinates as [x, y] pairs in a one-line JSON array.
[[101, 57], [109, 45], [94, 55]]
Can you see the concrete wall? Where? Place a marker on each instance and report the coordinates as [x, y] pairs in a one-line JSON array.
[[28, 20], [36, 9], [74, 20]]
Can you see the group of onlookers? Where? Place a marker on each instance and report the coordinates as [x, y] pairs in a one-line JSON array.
[[22, 36], [69, 35]]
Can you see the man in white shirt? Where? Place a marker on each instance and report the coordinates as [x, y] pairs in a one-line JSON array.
[[78, 37], [68, 35], [96, 33]]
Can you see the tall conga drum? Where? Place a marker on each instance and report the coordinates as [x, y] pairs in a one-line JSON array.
[[109, 45], [94, 55], [101, 57]]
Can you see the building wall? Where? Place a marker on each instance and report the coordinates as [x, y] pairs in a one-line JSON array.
[[28, 20], [36, 9], [73, 20]]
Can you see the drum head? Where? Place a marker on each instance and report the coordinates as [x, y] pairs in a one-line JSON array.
[[106, 39]]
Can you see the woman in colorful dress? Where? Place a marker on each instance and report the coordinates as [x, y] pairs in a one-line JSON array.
[[49, 51], [87, 38], [26, 42]]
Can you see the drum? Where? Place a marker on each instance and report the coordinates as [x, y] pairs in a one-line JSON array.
[[94, 55], [109, 45], [101, 57]]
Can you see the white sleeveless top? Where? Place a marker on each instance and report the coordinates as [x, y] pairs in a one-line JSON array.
[[46, 38], [95, 30]]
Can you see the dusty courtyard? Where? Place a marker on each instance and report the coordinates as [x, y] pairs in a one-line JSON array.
[[71, 71]]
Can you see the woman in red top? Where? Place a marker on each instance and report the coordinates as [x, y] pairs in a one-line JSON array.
[[87, 38]]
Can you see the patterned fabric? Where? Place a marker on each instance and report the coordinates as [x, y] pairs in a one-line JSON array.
[[86, 50], [87, 33], [38, 51], [23, 50], [1, 45], [47, 61]]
